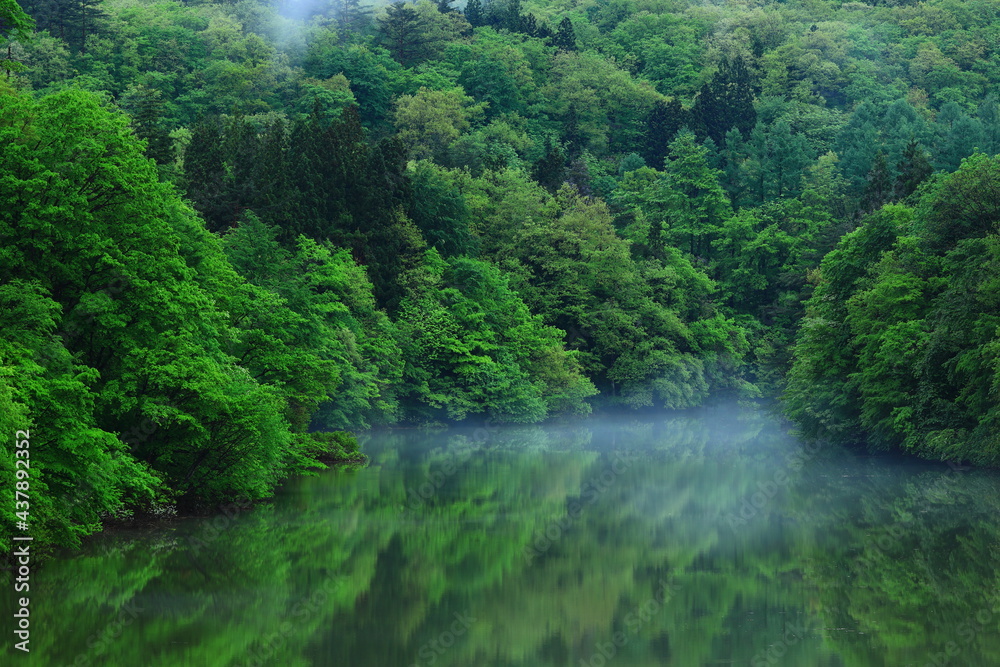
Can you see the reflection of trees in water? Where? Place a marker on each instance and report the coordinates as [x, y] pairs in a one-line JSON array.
[[360, 580], [904, 564]]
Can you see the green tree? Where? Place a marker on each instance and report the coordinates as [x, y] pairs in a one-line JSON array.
[[900, 346], [914, 168], [474, 13], [431, 120], [73, 21], [205, 173], [369, 71], [662, 125], [727, 100], [403, 33], [353, 16], [695, 203], [147, 108], [857, 144], [440, 212], [959, 135], [472, 347], [15, 25], [775, 161], [549, 169], [879, 187], [489, 81], [136, 295], [565, 37], [822, 395]]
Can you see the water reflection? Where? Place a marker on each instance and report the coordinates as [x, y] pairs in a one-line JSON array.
[[710, 538]]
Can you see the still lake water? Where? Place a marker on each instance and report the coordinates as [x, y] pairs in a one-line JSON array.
[[706, 538]]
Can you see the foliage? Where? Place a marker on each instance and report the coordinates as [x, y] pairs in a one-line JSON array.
[[472, 347], [127, 374], [899, 347], [411, 213], [330, 446]]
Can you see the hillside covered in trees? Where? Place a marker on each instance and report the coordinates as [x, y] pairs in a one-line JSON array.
[[228, 224]]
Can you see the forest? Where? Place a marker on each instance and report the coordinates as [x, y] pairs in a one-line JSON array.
[[232, 228]]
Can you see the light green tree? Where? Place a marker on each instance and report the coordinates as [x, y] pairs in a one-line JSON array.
[[430, 121]]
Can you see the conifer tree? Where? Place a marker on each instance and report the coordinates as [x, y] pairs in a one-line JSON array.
[[734, 177], [352, 16], [573, 137], [512, 15], [73, 21], [146, 107], [88, 18], [544, 32], [880, 185], [989, 115], [960, 136], [789, 156], [528, 25], [565, 37], [204, 173], [549, 170], [474, 13], [727, 100], [403, 33], [914, 168], [665, 119], [696, 205]]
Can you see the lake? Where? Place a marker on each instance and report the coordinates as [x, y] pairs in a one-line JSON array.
[[710, 537]]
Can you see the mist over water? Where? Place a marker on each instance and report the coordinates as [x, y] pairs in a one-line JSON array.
[[704, 537]]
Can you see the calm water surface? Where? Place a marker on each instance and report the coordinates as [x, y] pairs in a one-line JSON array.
[[710, 538]]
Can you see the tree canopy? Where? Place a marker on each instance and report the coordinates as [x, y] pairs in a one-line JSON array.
[[226, 225]]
